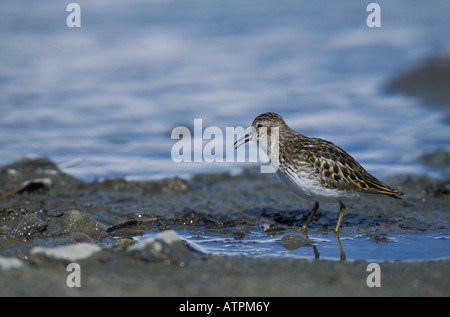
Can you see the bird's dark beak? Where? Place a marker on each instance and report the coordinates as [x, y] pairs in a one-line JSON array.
[[243, 140]]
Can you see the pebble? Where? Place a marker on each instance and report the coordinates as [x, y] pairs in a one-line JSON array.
[[166, 247], [10, 263], [72, 252]]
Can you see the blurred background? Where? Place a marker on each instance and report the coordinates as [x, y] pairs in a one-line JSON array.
[[107, 95]]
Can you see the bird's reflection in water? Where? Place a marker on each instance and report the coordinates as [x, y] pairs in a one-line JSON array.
[[295, 241]]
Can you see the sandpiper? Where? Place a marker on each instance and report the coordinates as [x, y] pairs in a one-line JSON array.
[[313, 168]]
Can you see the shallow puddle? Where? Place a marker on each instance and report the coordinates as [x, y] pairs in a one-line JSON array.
[[407, 246]]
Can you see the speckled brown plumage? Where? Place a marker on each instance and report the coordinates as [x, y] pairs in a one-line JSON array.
[[333, 167], [314, 168]]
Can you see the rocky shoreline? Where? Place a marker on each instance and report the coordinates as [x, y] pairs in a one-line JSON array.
[[49, 219], [60, 236]]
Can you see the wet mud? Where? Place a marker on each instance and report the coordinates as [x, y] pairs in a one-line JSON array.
[[49, 219]]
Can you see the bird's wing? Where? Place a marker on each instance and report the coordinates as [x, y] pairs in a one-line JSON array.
[[337, 169]]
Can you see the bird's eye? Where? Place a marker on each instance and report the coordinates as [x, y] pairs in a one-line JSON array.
[[259, 126]]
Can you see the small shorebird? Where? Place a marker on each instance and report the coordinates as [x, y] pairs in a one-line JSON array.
[[313, 168]]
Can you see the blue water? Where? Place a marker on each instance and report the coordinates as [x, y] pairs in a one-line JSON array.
[[407, 246], [108, 94]]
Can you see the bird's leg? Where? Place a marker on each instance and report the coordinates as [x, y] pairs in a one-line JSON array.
[[341, 250], [305, 226], [341, 215]]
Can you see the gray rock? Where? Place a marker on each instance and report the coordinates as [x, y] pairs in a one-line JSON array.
[[29, 225], [166, 247], [295, 241], [10, 263], [429, 80], [72, 252], [436, 158], [76, 221]]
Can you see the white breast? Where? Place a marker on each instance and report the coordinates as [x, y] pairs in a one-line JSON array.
[[307, 186]]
